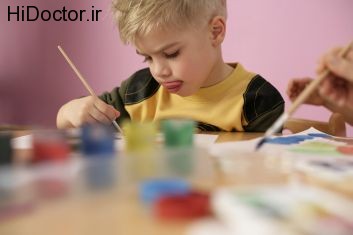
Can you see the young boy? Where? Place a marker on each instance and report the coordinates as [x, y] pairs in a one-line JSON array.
[[336, 91], [180, 41]]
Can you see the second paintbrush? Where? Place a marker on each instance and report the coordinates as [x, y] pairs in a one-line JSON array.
[[300, 100]]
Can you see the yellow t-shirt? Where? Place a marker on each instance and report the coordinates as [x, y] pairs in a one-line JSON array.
[[230, 105]]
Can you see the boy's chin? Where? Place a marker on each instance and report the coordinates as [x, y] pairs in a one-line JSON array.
[[184, 93]]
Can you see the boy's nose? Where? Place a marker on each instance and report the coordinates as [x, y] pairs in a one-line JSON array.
[[161, 71]]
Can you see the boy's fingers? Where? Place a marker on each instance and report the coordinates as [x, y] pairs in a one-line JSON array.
[[107, 110], [87, 119], [99, 116], [90, 119]]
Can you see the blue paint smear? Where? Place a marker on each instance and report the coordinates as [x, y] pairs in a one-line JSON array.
[[322, 135], [290, 139]]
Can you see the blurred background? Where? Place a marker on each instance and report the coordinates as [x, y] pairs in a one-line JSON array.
[[279, 39]]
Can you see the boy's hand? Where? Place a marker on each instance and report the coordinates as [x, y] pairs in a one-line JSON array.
[[89, 109], [297, 85]]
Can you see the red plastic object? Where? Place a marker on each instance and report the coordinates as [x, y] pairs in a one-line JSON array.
[[192, 205], [347, 149], [51, 151]]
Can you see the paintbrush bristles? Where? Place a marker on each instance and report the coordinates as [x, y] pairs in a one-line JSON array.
[[260, 143]]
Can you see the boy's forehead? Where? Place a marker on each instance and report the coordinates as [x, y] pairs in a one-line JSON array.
[[163, 38], [158, 40]]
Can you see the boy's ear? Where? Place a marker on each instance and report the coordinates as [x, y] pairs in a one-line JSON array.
[[217, 27]]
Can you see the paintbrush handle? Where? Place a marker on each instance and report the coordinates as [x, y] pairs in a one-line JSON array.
[[83, 80], [277, 125], [116, 125], [79, 75]]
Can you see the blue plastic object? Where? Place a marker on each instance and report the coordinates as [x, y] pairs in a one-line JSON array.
[[152, 190], [97, 140]]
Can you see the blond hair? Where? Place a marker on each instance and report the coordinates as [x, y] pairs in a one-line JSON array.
[[138, 17]]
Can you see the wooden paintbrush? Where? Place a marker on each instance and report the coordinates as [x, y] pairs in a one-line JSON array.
[[88, 87]]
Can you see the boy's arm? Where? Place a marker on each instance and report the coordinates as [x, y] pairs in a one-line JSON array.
[[263, 104], [137, 87]]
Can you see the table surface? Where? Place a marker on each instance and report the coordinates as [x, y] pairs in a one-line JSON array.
[[120, 211]]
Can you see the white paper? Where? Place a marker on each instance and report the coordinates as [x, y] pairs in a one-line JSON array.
[[248, 146], [22, 142], [204, 140]]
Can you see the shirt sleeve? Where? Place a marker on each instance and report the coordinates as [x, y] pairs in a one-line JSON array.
[[263, 105], [115, 98]]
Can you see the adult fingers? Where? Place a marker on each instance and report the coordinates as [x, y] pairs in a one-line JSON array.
[[322, 63], [342, 67], [332, 89]]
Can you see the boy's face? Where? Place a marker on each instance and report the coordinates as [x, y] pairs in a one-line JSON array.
[[181, 61]]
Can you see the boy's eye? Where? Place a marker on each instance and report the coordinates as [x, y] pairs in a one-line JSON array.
[[172, 55]]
